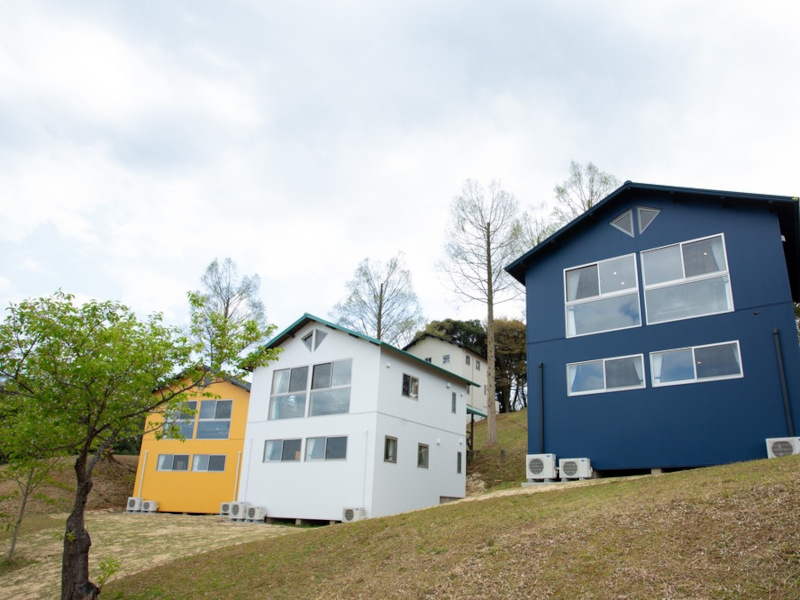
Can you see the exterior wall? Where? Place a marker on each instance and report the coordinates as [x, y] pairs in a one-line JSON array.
[[321, 489], [435, 349], [681, 425], [189, 491]]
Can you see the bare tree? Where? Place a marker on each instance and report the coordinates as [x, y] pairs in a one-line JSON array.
[[585, 187], [381, 302], [484, 235]]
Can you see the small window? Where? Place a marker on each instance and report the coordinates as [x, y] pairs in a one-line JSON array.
[[326, 448], [214, 422], [410, 386], [281, 450], [467, 358], [429, 359], [477, 365], [390, 449], [208, 462], [624, 222], [646, 216], [173, 462], [445, 359], [422, 456], [313, 339], [605, 375], [696, 364], [309, 341], [458, 463], [453, 403]]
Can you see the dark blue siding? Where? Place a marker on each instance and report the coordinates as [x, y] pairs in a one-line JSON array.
[[676, 426]]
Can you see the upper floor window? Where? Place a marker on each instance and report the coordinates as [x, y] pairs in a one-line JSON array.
[[686, 280], [605, 375], [173, 462], [453, 403], [694, 364], [326, 448], [602, 296], [410, 386], [477, 365], [281, 450], [208, 462], [330, 388], [445, 359], [214, 422], [390, 449], [423, 452], [467, 359], [183, 423], [289, 392], [313, 339]]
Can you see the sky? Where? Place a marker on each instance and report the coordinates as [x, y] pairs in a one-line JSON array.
[[141, 140]]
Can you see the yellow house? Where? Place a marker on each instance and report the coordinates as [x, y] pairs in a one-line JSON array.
[[197, 474]]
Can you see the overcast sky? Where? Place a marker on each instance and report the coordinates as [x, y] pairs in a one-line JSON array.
[[140, 140]]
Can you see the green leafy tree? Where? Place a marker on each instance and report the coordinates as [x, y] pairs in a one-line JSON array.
[[470, 334], [484, 235], [585, 187], [511, 364], [381, 302], [79, 378]]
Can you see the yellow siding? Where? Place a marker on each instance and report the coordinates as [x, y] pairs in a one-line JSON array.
[[189, 491]]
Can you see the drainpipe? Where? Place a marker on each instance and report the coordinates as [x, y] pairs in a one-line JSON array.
[[541, 408], [141, 479], [236, 479], [787, 409], [364, 476]]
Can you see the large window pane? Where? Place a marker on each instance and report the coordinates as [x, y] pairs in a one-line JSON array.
[[291, 450], [280, 381], [315, 448], [582, 283], [216, 462], [617, 275], [180, 462], [321, 377], [224, 408], [287, 407], [330, 402], [687, 300], [336, 448], [672, 366], [703, 257], [717, 361], [213, 430], [624, 372], [341, 372], [662, 265], [585, 377], [272, 450], [299, 380], [616, 312]]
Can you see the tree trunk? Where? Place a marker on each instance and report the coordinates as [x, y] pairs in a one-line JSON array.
[[75, 584], [491, 410], [23, 503]]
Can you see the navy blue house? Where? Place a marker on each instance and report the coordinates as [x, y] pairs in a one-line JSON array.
[[661, 330]]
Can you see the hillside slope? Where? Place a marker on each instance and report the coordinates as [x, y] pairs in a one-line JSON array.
[[730, 531]]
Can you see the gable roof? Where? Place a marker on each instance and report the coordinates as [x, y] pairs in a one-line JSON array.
[[785, 207], [422, 336], [307, 318]]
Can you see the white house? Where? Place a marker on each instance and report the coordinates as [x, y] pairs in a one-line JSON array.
[[457, 359], [344, 421]]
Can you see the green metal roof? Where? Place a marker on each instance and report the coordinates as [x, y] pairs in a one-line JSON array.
[[307, 318], [471, 410]]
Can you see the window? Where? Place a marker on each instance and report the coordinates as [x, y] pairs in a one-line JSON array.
[[313, 339], [289, 392], [330, 388], [477, 365], [467, 359], [326, 448], [208, 462], [173, 462], [390, 449], [214, 422], [646, 216], [422, 456], [603, 296], [453, 403], [699, 363], [281, 450], [429, 359], [410, 386], [445, 359], [605, 375], [458, 463], [686, 280], [183, 421], [624, 222]]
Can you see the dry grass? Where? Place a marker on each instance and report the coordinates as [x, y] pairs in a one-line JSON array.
[[723, 532]]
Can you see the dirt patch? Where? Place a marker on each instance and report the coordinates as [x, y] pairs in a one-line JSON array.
[[137, 540]]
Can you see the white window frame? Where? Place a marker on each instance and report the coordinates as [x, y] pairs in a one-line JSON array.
[[159, 462], [413, 387], [696, 379], [196, 467], [630, 291], [686, 280], [201, 419], [606, 389], [325, 449], [281, 459], [180, 420], [331, 388]]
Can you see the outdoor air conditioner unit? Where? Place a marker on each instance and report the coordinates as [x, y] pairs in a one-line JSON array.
[[575, 468], [777, 447], [541, 466], [224, 509], [256, 513], [134, 504], [353, 514], [149, 506], [238, 511]]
